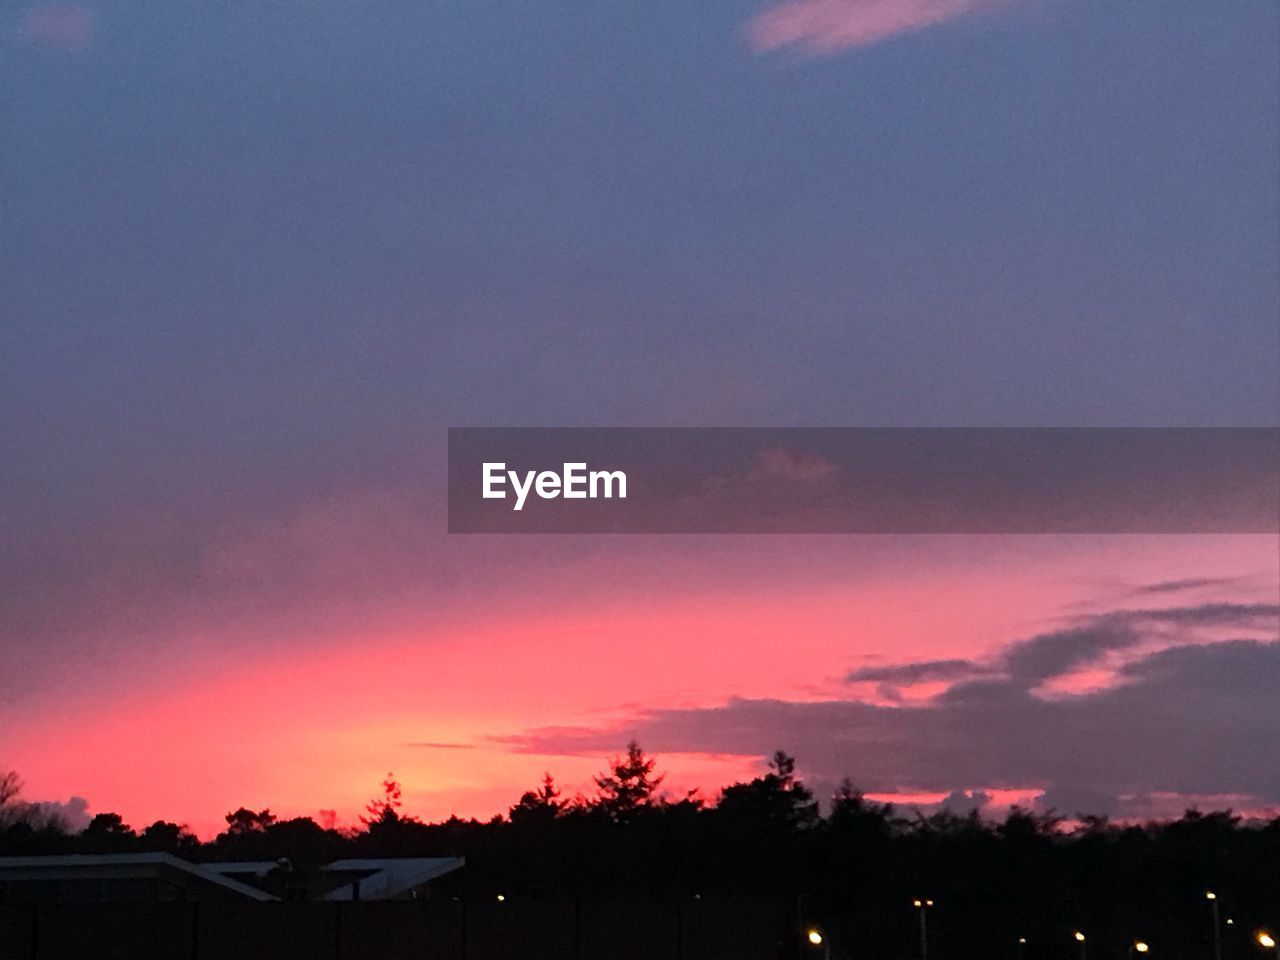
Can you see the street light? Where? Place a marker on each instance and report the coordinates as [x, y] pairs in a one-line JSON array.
[[1084, 947], [1140, 946], [923, 906], [816, 939], [1267, 940], [1022, 947], [1217, 924]]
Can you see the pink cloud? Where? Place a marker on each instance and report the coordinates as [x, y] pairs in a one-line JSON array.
[[66, 26], [822, 27]]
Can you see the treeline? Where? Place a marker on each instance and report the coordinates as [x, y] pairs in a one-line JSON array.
[[854, 871]]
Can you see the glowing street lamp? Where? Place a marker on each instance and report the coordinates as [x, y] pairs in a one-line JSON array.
[[923, 906], [1140, 946], [1217, 924], [1267, 940], [816, 939], [1084, 946], [1022, 947]]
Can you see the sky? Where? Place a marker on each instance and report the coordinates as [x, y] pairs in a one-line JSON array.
[[254, 262]]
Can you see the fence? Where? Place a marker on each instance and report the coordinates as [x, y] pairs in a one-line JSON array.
[[693, 929]]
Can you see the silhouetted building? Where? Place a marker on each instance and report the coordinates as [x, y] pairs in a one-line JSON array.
[[160, 877]]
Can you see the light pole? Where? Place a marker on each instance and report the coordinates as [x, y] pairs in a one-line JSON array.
[[1084, 945], [923, 906], [1022, 948], [1217, 924], [1139, 946], [1267, 940]]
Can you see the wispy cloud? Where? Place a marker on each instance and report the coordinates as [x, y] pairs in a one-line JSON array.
[[1187, 584], [924, 671], [823, 27], [439, 745], [65, 26], [1086, 642]]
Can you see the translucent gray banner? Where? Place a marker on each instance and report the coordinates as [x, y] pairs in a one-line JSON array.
[[856, 480]]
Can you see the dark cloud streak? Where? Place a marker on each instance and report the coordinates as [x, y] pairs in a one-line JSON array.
[[1192, 719]]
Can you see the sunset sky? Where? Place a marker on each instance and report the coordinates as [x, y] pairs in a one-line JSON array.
[[256, 259]]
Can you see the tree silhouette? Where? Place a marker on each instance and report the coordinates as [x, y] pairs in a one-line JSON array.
[[165, 837], [108, 833], [384, 809], [10, 788], [538, 805], [852, 872], [776, 800], [11, 807], [628, 786], [853, 815], [245, 821]]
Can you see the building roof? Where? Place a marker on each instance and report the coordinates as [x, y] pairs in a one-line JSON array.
[[255, 868], [388, 877], [378, 878], [105, 866]]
